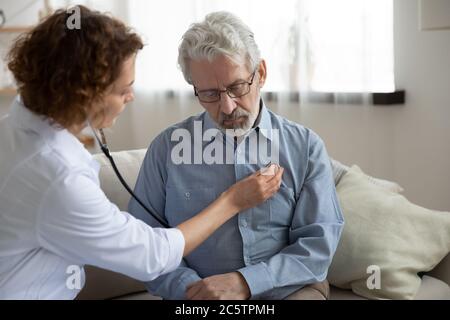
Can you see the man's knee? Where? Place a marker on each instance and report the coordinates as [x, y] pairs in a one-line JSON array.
[[315, 291]]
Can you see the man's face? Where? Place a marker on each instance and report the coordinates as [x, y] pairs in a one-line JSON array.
[[229, 113]]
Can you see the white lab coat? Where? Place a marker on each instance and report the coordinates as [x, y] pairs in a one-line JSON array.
[[54, 216]]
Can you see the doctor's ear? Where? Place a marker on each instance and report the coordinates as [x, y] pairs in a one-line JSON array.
[[262, 71]]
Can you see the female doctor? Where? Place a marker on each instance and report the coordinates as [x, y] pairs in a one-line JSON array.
[[53, 214]]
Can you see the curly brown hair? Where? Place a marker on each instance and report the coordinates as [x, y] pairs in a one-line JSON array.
[[61, 72]]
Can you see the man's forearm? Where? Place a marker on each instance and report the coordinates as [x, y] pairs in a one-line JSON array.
[[303, 262]]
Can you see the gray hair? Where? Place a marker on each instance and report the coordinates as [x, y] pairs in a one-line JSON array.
[[221, 33]]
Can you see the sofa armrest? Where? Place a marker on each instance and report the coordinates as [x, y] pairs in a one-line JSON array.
[[103, 284], [442, 270]]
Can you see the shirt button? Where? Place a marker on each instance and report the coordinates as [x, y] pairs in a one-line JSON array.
[[244, 223], [187, 195]]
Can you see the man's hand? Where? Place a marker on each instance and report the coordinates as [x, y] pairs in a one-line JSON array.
[[228, 286]]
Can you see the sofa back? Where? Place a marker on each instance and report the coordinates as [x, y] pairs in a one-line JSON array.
[[102, 284], [129, 164]]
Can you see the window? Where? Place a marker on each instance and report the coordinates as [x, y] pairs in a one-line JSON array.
[[351, 45], [309, 45]]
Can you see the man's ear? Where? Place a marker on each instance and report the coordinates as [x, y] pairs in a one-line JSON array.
[[262, 71]]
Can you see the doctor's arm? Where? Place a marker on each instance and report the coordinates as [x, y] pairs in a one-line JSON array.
[[76, 221]]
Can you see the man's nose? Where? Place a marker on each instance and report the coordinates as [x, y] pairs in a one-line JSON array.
[[227, 104]]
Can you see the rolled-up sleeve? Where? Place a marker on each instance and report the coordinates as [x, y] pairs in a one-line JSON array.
[[314, 235], [78, 222]]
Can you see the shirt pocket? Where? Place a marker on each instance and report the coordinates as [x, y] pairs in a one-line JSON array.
[[282, 208], [184, 203]]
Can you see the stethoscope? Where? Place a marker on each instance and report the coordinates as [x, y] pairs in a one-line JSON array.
[[104, 147]]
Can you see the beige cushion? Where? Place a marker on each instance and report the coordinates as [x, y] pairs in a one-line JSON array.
[[430, 289], [433, 289], [339, 170], [129, 164], [384, 229]]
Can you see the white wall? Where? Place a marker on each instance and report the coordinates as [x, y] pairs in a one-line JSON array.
[[19, 17], [26, 13], [409, 144], [21, 12], [422, 128]]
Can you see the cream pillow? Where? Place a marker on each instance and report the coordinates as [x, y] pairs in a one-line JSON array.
[[339, 170], [383, 229]]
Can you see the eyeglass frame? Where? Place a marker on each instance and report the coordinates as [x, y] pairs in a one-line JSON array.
[[219, 95]]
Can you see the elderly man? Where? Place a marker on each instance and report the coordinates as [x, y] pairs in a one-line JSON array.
[[279, 250]]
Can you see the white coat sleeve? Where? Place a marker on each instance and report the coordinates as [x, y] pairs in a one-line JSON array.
[[78, 222]]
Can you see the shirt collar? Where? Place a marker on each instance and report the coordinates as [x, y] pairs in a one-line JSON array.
[[57, 138], [263, 122]]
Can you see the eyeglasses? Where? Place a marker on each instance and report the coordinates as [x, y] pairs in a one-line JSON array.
[[234, 91]]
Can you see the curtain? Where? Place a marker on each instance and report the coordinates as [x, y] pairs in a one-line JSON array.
[[317, 51], [309, 45]]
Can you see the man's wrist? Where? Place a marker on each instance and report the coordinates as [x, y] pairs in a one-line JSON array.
[[258, 279], [245, 289]]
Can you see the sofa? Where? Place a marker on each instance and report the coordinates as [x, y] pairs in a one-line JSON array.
[[103, 284]]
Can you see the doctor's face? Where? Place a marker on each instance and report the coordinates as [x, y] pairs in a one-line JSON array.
[[238, 113], [116, 97]]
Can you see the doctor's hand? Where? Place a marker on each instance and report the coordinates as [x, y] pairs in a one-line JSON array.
[[241, 196], [257, 188], [228, 286]]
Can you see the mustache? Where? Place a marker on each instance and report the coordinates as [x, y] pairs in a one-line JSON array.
[[236, 114]]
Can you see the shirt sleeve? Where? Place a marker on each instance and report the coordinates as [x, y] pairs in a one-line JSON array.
[[151, 189], [173, 286], [78, 222], [314, 235]]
